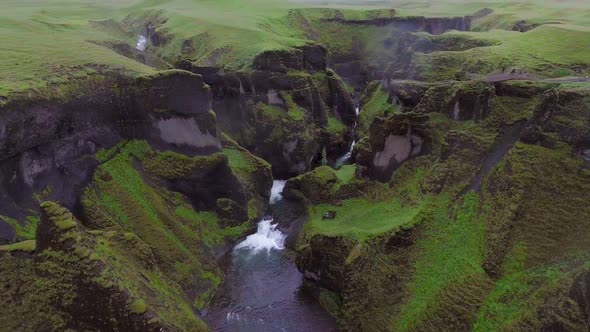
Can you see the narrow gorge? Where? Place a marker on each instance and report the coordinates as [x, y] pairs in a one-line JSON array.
[[295, 166]]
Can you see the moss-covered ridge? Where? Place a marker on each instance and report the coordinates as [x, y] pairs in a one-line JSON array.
[[427, 252], [57, 286], [186, 208]]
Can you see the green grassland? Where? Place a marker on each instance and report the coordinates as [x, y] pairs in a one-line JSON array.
[[360, 219], [48, 42], [549, 49]]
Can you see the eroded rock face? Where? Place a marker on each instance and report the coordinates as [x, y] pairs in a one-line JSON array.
[[284, 117], [368, 277], [565, 113], [186, 131], [392, 141], [326, 267], [363, 61], [309, 57], [397, 149], [433, 25], [49, 144], [460, 101]]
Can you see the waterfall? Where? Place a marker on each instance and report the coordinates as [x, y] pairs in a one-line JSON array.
[[267, 236], [277, 189], [346, 157], [141, 43]]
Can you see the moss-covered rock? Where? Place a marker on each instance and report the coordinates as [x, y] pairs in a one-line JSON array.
[[185, 208], [324, 184], [56, 288], [286, 118], [375, 102], [62, 128], [460, 101], [509, 256]]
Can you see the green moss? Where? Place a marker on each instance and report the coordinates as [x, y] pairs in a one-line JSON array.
[[271, 112], [294, 112], [138, 306], [207, 224], [104, 155], [182, 239], [523, 300], [450, 252], [537, 51], [171, 165], [43, 194], [118, 266], [28, 246], [345, 173], [332, 303], [336, 127], [24, 231], [65, 224], [374, 103], [239, 161]]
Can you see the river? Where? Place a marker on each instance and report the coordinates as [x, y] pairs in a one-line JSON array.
[[263, 288]]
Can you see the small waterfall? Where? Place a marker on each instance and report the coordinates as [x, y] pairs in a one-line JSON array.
[[267, 237], [276, 191], [346, 157], [141, 43], [263, 287]]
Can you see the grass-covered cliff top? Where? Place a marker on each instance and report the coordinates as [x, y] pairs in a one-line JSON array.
[[48, 42]]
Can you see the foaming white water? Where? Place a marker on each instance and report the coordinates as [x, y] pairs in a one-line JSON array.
[[357, 110], [276, 191], [141, 43], [267, 237], [346, 157]]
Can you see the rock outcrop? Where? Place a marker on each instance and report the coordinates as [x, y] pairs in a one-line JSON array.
[[45, 142], [285, 113], [57, 287], [392, 141]]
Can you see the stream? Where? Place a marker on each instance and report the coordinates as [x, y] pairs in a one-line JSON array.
[[263, 288], [346, 157]]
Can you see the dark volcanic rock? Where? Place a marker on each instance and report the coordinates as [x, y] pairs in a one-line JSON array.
[[433, 25], [50, 142], [392, 141], [460, 101], [283, 117], [309, 57]]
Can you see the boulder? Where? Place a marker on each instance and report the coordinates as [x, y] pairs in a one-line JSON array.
[[329, 215]]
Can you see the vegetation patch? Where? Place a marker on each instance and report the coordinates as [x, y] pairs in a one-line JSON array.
[[27, 246], [450, 251], [24, 231], [375, 103], [360, 219]]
